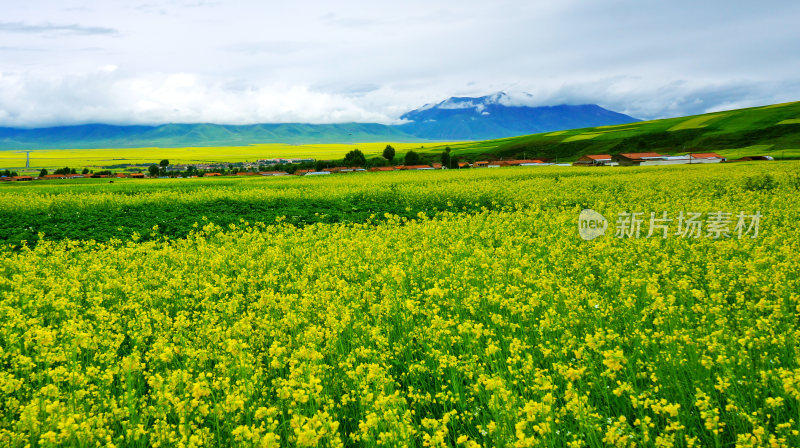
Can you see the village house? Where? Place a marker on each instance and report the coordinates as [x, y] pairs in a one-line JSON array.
[[709, 157], [415, 167], [594, 160], [638, 158], [523, 162]]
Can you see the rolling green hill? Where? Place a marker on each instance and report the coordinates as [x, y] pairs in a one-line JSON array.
[[769, 130], [92, 136]]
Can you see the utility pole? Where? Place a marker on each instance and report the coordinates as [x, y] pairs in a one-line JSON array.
[[27, 159]]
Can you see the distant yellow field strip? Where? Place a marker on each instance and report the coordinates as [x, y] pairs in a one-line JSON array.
[[696, 122], [620, 125], [48, 158], [591, 135]]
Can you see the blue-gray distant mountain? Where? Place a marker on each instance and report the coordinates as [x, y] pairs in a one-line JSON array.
[[204, 134], [499, 116], [484, 118]]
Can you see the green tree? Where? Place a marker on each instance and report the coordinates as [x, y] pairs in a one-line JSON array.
[[453, 162], [446, 159], [355, 158], [153, 169], [412, 158], [43, 172], [377, 161], [85, 171], [388, 153], [164, 163]]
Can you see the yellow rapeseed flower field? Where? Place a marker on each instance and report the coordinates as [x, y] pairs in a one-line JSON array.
[[488, 323], [104, 157]]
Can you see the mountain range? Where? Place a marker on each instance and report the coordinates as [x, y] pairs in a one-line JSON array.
[[499, 116], [458, 118]]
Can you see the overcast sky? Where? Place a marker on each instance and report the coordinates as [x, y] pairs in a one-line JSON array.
[[248, 61]]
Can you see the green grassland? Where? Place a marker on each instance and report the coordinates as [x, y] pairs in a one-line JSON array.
[[84, 209], [771, 130]]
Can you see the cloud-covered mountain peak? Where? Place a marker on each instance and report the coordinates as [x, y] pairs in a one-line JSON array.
[[502, 115], [480, 104]]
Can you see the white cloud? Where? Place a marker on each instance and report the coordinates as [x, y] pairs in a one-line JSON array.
[[251, 61], [105, 96]]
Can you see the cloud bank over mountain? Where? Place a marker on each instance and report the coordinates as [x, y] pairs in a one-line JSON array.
[[73, 62]]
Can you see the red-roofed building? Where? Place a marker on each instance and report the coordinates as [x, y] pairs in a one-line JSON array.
[[516, 162], [416, 167], [212, 174], [593, 160], [707, 157], [637, 158], [382, 168]]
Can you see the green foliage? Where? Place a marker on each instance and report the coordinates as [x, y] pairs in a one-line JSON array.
[[43, 172], [388, 153], [446, 158], [412, 158], [153, 170], [760, 182], [355, 158], [164, 163], [377, 161]]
